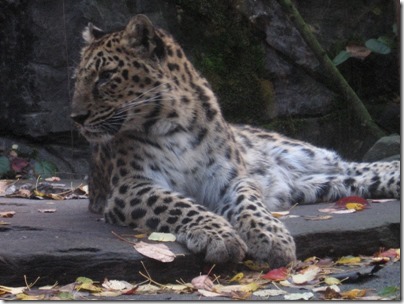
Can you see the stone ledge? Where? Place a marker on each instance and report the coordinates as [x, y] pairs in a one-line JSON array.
[[73, 242]]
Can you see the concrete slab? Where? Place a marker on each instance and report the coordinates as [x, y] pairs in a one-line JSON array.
[[73, 242]]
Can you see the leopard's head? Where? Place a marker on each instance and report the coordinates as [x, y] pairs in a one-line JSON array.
[[124, 81]]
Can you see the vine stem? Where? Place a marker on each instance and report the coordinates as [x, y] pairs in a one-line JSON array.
[[333, 73]]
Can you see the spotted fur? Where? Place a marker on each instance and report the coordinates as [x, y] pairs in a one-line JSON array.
[[165, 159]]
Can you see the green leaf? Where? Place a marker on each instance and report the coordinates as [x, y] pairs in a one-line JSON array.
[[45, 168], [341, 57], [4, 165], [388, 291], [377, 46]]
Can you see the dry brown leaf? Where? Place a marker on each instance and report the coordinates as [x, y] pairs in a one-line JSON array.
[[4, 184], [7, 214], [158, 252], [202, 282], [358, 51], [307, 275]]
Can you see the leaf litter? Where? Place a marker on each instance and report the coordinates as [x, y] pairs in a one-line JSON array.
[[314, 278]]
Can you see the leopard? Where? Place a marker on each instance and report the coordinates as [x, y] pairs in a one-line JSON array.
[[163, 158]]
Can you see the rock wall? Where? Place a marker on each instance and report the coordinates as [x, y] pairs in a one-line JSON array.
[[260, 67]]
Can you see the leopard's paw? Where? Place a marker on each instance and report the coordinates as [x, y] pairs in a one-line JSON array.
[[271, 243], [219, 245]]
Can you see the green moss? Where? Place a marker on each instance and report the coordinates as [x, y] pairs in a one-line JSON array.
[[228, 52]]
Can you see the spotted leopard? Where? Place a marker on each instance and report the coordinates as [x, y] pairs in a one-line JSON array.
[[164, 158]]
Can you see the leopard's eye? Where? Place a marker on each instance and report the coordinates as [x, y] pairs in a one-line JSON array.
[[105, 76]]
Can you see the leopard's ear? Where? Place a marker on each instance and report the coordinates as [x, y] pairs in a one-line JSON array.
[[140, 33], [92, 33]]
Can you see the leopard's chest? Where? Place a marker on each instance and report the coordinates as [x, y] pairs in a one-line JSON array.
[[177, 164]]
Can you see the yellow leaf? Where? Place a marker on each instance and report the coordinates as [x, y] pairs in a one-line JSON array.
[[162, 237], [279, 214], [355, 206], [39, 193], [237, 277], [353, 294], [256, 266], [331, 281], [250, 287], [89, 287], [348, 260], [25, 297]]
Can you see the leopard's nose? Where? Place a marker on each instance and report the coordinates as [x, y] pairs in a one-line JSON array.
[[80, 118]]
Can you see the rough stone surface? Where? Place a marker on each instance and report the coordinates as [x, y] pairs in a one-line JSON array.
[[386, 148], [72, 242]]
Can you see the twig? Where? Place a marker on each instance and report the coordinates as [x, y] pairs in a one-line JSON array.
[[122, 239], [148, 277]]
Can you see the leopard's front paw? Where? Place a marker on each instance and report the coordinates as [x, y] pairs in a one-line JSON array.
[[220, 245], [271, 243]]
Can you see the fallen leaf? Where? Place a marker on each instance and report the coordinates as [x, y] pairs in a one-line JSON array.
[[13, 290], [348, 260], [331, 281], [278, 274], [336, 211], [7, 214], [324, 288], [266, 293], [4, 223], [378, 201], [147, 289], [318, 217], [344, 202], [86, 284], [179, 288], [389, 291], [162, 237], [358, 51], [391, 253], [307, 275], [158, 252], [207, 293], [256, 266], [117, 285], [353, 294], [237, 277], [356, 206], [202, 282], [47, 210], [4, 185], [299, 296], [330, 293], [279, 214]]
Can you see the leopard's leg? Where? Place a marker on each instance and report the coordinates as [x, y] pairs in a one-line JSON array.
[[143, 204], [266, 237], [368, 180], [98, 180], [382, 179]]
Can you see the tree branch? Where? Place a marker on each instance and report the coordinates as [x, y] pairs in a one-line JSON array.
[[333, 73]]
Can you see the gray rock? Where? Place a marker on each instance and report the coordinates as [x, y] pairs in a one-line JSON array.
[[386, 148]]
